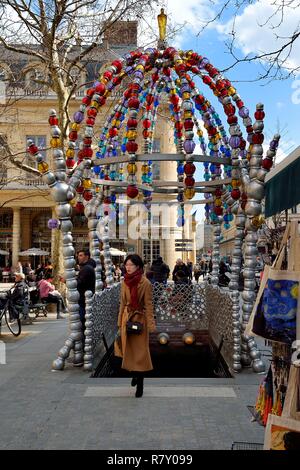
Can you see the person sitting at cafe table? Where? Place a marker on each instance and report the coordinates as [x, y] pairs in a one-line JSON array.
[[49, 294]]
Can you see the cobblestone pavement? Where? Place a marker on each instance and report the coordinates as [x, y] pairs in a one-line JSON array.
[[41, 409]]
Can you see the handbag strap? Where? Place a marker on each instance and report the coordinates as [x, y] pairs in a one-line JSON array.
[[280, 255]]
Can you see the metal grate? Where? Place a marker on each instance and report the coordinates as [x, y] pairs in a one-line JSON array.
[[238, 445]]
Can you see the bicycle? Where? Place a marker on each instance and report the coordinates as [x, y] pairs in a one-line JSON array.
[[10, 313]]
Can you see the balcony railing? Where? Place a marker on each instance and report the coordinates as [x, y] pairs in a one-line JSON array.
[[32, 183], [27, 93]]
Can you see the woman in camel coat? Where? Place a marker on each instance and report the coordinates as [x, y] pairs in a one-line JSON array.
[[136, 294]]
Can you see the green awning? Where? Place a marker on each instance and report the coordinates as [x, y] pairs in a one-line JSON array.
[[283, 190]]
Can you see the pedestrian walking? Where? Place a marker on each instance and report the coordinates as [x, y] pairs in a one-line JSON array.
[[85, 281], [180, 266], [136, 310], [160, 271]]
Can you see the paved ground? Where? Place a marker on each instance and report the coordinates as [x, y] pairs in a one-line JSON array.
[[41, 409]]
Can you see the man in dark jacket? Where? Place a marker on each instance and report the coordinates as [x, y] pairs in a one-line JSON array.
[[19, 296], [160, 271], [85, 280], [180, 266]]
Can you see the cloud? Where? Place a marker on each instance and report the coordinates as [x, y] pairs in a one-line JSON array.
[[259, 29]]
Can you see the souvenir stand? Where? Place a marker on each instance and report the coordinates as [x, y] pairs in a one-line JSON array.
[[276, 317]]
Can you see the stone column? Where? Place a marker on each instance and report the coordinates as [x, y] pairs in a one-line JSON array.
[[16, 235]]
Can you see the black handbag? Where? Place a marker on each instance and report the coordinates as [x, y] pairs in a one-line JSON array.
[[134, 327]]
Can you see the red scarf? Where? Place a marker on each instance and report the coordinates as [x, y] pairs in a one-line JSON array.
[[132, 281]]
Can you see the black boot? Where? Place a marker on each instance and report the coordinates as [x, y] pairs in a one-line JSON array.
[[139, 386], [133, 381]]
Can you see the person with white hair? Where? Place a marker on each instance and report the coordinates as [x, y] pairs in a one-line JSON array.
[[19, 297], [180, 266]]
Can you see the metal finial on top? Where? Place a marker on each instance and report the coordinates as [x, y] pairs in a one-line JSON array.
[[162, 26]]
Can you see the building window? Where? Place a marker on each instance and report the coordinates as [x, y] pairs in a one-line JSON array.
[[6, 220], [155, 171], [40, 142], [156, 146], [151, 250]]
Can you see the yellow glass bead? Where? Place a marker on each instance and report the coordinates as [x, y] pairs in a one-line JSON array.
[[173, 91], [131, 135], [145, 168], [199, 132], [70, 153], [75, 126], [188, 114], [231, 90], [73, 202], [235, 183], [98, 188], [94, 104], [54, 142], [118, 123], [179, 62], [87, 184], [218, 201], [189, 193], [43, 167], [139, 67], [178, 82], [131, 168], [186, 95]]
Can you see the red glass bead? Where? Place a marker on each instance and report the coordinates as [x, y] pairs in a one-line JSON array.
[[86, 100], [92, 112], [259, 115], [257, 138], [100, 89], [53, 121], [267, 163], [178, 125], [174, 99], [188, 124], [132, 191], [80, 189], [116, 81], [113, 131], [133, 103], [189, 181], [87, 152], [32, 149], [239, 103], [189, 168], [146, 134], [73, 136], [131, 147], [107, 178], [90, 121], [79, 207], [101, 100], [118, 65], [199, 99], [218, 192], [146, 123], [249, 129], [154, 77], [107, 200], [229, 109], [235, 193], [218, 210], [242, 144], [87, 195], [206, 79], [87, 141], [90, 92], [108, 75], [149, 99], [132, 123], [232, 119], [70, 162]]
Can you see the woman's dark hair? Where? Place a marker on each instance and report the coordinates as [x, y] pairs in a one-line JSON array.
[[48, 275], [135, 259]]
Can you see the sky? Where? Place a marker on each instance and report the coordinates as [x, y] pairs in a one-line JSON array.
[[259, 29]]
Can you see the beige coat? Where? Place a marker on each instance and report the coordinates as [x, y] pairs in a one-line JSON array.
[[135, 348]]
